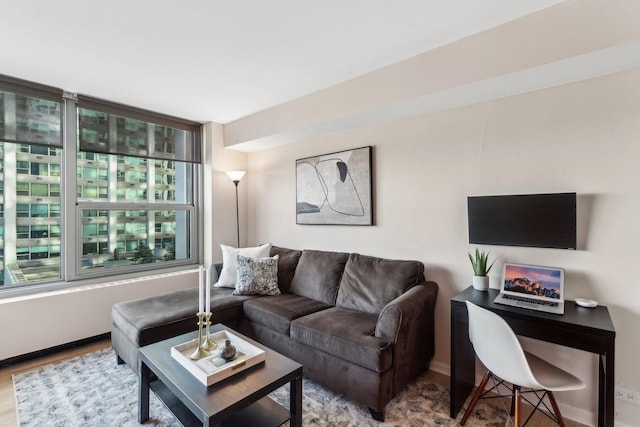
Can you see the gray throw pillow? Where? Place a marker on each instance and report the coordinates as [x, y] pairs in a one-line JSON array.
[[257, 276]]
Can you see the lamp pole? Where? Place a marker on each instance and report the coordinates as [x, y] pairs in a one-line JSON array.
[[236, 176], [237, 212]]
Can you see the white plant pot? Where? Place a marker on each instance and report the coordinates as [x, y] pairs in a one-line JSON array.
[[481, 283]]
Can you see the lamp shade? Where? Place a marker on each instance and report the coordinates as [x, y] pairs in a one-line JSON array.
[[235, 176]]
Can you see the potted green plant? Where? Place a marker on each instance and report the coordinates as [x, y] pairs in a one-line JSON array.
[[479, 263]]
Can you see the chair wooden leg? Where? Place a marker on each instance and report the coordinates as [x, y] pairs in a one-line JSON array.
[[513, 400], [556, 410], [517, 397], [377, 415], [475, 397]]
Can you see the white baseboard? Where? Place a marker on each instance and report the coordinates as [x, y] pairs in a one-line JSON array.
[[441, 368], [580, 415]]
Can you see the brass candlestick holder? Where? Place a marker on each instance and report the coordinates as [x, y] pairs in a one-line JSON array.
[[208, 343], [200, 351]]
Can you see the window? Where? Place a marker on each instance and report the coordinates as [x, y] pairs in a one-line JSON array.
[[40, 190], [39, 231], [135, 152], [39, 169], [39, 211], [22, 189], [22, 232], [22, 210], [22, 167], [22, 254], [39, 252], [36, 149], [134, 177]]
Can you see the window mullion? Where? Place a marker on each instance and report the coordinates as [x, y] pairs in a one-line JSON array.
[[71, 241]]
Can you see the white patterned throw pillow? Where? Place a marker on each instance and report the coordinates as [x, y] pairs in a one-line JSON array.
[[257, 276], [228, 274]]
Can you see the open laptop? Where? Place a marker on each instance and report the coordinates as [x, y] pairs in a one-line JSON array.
[[532, 287]]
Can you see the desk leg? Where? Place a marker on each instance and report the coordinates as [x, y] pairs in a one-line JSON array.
[[606, 386], [295, 402], [463, 368], [143, 393]]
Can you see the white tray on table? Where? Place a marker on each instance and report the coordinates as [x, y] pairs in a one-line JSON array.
[[212, 369]]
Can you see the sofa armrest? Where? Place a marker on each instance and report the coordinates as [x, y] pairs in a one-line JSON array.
[[407, 322]]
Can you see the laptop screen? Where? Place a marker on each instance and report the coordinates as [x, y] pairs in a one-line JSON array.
[[531, 281]]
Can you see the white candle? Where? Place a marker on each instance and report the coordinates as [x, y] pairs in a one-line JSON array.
[[200, 296], [207, 284]]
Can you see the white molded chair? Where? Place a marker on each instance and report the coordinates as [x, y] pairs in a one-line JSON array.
[[498, 348]]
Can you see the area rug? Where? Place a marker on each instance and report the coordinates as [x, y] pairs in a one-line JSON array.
[[92, 390]]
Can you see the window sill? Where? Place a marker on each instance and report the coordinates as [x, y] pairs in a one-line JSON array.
[[57, 288]]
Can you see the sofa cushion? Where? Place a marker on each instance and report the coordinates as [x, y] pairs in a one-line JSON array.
[[148, 320], [228, 274], [318, 275], [369, 283], [347, 334], [277, 312], [257, 276], [287, 263]]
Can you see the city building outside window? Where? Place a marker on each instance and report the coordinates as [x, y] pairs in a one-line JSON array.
[[134, 175]]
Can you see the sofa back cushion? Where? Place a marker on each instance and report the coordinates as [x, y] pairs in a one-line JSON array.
[[318, 275], [369, 283], [287, 263]]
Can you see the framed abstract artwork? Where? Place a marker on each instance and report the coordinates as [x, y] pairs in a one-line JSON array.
[[335, 188]]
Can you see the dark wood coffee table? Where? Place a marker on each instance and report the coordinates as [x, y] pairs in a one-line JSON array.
[[240, 400]]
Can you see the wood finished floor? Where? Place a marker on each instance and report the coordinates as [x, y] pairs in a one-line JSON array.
[[7, 398]]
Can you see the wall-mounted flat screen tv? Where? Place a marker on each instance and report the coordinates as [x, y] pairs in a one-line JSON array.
[[534, 220]]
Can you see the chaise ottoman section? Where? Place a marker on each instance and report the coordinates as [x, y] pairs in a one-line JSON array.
[[144, 321]]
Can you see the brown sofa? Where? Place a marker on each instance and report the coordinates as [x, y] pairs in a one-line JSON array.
[[360, 325]]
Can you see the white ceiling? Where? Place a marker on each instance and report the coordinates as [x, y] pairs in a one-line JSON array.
[[214, 60]]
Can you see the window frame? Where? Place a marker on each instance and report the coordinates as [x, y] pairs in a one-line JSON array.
[[81, 222], [69, 229], [193, 207]]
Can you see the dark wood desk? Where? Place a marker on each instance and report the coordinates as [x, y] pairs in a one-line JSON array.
[[588, 329]]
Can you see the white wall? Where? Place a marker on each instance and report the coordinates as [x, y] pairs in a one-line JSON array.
[[45, 320], [571, 41], [581, 137], [220, 197]]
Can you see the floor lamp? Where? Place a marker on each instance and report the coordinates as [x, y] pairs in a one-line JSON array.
[[236, 176]]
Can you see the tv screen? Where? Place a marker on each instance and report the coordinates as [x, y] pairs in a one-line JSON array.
[[534, 220]]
